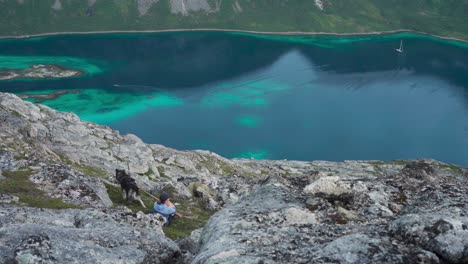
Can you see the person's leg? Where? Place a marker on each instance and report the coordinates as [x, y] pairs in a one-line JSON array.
[[169, 220]]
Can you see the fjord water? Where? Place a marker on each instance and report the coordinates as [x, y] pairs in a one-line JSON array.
[[305, 98]]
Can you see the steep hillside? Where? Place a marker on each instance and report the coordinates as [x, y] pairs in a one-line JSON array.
[[242, 211], [24, 17]]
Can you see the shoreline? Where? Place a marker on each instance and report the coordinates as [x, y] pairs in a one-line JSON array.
[[278, 33]]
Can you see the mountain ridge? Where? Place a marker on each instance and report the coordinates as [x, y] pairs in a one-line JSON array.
[[442, 18]]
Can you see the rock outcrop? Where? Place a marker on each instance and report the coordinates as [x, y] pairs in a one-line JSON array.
[[412, 212], [269, 211], [38, 71], [30, 235]]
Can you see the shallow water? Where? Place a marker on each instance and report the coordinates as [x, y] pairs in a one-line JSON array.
[[306, 98]]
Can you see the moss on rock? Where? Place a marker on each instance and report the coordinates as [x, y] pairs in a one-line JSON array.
[[17, 183]]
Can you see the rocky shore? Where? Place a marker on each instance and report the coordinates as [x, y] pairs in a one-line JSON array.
[[59, 202], [38, 71]]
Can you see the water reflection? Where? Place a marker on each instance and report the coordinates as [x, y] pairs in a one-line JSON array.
[[249, 97]]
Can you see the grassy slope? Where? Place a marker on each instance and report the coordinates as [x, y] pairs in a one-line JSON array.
[[441, 17], [181, 227], [17, 183]]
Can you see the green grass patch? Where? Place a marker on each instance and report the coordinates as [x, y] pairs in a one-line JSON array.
[[453, 168], [392, 162], [149, 172], [227, 168], [90, 171], [214, 165], [120, 159], [85, 169], [64, 158], [398, 162], [181, 227], [168, 189], [16, 114], [162, 172], [17, 183], [12, 146], [115, 194], [19, 157]]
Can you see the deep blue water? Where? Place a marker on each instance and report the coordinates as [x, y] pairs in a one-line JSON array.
[[246, 96]]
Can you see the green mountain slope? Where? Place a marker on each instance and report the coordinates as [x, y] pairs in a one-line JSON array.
[[442, 17]]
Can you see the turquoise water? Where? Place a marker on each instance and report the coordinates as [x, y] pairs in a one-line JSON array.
[[243, 95]]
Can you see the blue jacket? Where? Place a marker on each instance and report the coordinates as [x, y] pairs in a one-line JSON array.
[[164, 209]]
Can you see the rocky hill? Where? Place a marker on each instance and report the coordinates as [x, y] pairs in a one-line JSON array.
[[25, 17], [59, 202]]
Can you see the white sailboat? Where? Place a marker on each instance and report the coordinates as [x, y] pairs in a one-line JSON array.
[[401, 47]]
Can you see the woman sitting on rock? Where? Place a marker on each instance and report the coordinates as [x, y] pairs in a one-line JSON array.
[[166, 208]]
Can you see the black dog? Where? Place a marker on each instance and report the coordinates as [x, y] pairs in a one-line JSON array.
[[130, 190]]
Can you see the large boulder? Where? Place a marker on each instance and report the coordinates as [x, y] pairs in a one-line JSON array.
[[272, 225], [329, 185], [444, 233], [29, 235], [61, 181]]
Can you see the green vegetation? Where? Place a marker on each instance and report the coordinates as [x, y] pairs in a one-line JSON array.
[[451, 167], [17, 183], [445, 18], [149, 172], [162, 172], [16, 114], [85, 169], [181, 227], [116, 197], [214, 166], [392, 162], [90, 171]]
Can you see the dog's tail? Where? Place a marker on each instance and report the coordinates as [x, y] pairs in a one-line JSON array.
[[138, 197]]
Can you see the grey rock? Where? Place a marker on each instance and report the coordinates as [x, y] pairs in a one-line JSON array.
[[444, 233], [271, 211], [418, 170], [7, 199], [145, 5], [328, 185], [358, 248], [190, 246], [75, 188], [74, 236], [182, 191], [424, 257], [6, 160], [207, 195], [184, 7], [451, 246], [269, 225]]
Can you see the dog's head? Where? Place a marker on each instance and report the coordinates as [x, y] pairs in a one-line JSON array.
[[120, 175]]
